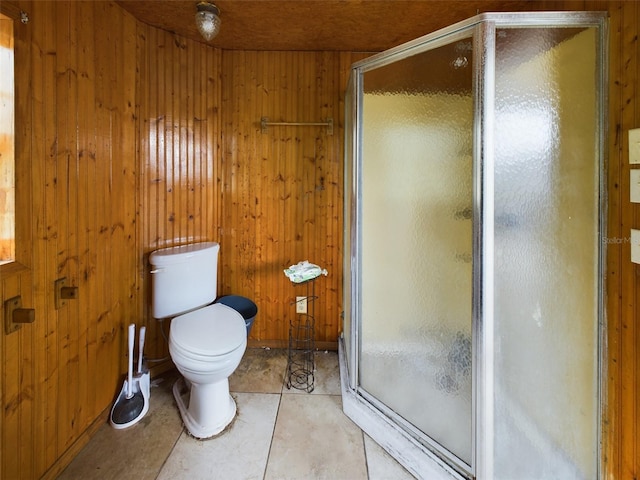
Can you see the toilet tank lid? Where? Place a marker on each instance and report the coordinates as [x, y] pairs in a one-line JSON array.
[[181, 253]]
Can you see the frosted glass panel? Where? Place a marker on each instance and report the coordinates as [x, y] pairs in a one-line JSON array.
[[474, 188], [416, 251], [546, 254]]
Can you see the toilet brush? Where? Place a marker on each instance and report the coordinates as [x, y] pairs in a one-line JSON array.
[[142, 376], [129, 407], [143, 331]]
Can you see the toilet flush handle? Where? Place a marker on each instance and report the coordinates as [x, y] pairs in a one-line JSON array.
[[157, 270]]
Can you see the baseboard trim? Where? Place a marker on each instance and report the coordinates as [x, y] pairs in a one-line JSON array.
[[65, 459], [284, 344]]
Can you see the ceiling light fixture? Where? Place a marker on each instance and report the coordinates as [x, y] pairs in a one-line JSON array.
[[208, 20]]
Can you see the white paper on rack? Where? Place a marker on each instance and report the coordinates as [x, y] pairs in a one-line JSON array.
[[303, 271]]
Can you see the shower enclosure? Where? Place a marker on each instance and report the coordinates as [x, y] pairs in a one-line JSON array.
[[474, 200]]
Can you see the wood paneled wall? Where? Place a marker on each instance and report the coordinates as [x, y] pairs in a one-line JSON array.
[[76, 76], [622, 417], [282, 189], [179, 139], [271, 199], [132, 139]]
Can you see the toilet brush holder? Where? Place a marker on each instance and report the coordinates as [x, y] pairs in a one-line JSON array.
[[144, 384]]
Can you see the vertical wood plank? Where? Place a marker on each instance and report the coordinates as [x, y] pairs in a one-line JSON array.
[[618, 430], [28, 386], [35, 136], [51, 234], [630, 106], [614, 257], [87, 337], [11, 431], [65, 83]]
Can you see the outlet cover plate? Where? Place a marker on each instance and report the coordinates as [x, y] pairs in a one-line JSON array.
[[634, 185], [635, 246], [301, 304], [634, 146]]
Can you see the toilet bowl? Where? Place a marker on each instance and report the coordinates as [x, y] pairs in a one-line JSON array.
[[206, 346], [206, 341]]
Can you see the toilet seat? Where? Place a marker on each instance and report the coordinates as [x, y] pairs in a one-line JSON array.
[[208, 332]]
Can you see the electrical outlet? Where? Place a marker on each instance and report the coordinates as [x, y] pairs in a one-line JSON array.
[[635, 246], [634, 185], [634, 146], [301, 304]]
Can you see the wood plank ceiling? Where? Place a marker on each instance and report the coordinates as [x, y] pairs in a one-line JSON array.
[[328, 25]]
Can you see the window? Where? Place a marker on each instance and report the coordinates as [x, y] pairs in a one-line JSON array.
[[7, 143]]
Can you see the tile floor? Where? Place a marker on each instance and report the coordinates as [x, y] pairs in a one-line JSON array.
[[278, 434]]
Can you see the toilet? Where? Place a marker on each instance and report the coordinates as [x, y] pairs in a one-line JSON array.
[[206, 341]]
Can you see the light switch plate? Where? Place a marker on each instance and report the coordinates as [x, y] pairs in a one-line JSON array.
[[634, 185], [635, 246], [634, 146]]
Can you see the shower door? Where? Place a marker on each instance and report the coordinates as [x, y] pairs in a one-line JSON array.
[[473, 284]]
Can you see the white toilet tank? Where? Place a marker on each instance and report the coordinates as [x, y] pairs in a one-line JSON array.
[[183, 278]]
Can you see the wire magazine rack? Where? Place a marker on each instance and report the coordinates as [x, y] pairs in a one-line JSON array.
[[300, 358]]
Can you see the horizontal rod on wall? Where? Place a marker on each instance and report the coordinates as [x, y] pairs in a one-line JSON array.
[[264, 123]]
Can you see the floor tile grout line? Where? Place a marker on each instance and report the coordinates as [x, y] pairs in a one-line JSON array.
[[366, 457], [164, 462], [273, 432]]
